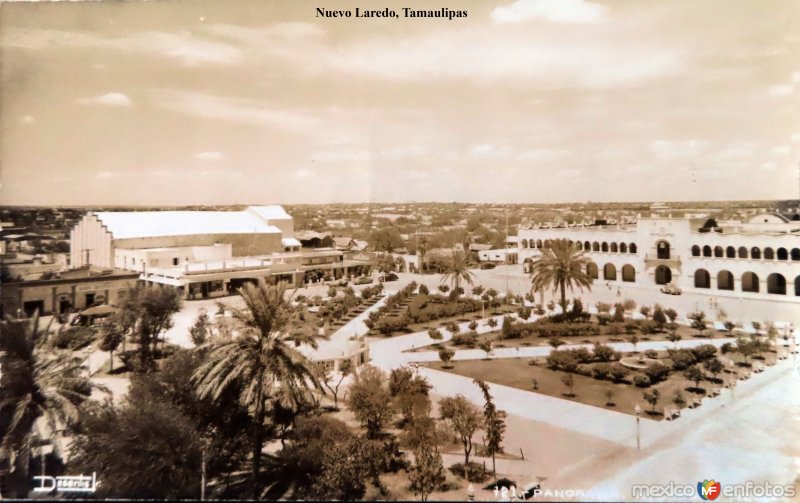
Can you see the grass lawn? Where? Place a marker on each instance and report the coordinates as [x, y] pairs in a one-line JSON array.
[[518, 373]]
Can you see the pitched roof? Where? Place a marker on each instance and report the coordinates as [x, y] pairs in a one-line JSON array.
[[137, 224]]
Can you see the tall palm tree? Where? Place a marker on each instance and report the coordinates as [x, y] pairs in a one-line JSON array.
[[561, 266], [457, 271], [260, 363], [422, 249], [40, 391]]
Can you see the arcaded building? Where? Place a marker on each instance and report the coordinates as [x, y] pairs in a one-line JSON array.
[[203, 253], [760, 257]]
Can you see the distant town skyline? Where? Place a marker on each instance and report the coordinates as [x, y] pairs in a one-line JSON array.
[[524, 101]]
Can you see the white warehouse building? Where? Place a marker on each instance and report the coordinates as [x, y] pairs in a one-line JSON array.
[[760, 257]]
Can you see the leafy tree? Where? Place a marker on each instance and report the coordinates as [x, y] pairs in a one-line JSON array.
[[493, 424], [729, 326], [714, 366], [678, 399], [201, 329], [345, 368], [464, 418], [492, 323], [698, 321], [633, 339], [604, 353], [458, 271], [645, 310], [659, 317], [671, 314], [486, 346], [369, 400], [122, 443], [261, 363], [427, 474], [478, 290], [694, 374], [569, 381], [560, 267], [386, 240], [555, 342], [40, 392], [435, 334], [113, 336], [346, 468], [610, 396], [746, 347], [146, 313], [652, 397], [674, 337], [446, 355]]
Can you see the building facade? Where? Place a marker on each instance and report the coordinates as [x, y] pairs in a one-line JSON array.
[[760, 257], [204, 253]]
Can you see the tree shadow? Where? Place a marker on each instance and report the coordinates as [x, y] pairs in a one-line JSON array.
[[695, 390]]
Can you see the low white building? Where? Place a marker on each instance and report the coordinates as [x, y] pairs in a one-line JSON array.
[[759, 257]]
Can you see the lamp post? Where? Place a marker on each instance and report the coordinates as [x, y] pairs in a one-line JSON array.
[[638, 411]]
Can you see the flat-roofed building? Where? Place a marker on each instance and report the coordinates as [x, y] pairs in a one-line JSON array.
[[757, 258]]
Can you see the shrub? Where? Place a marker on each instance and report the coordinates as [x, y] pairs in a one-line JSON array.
[[726, 348], [671, 314], [704, 352], [629, 304], [656, 372], [605, 353], [603, 319], [615, 329], [619, 313], [681, 358], [602, 371], [562, 360], [648, 327], [645, 310], [473, 325], [475, 472], [618, 373], [423, 289], [602, 307], [641, 381], [581, 354], [73, 338], [524, 313], [444, 288], [651, 353], [392, 324], [468, 339]]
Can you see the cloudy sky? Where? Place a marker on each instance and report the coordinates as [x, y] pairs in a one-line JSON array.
[[202, 102]]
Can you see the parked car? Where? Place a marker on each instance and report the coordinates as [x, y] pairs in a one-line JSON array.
[[487, 265], [363, 280], [388, 277], [671, 289]]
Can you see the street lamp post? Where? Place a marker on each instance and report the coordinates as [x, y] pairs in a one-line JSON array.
[[638, 411]]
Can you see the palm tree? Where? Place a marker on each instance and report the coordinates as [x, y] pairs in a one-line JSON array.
[[422, 249], [261, 362], [561, 266], [40, 391], [458, 270]]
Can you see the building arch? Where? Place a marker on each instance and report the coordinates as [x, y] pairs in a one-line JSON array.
[[783, 254], [695, 251], [539, 243], [546, 244], [524, 243], [730, 252], [610, 272], [795, 254], [591, 270], [776, 284], [578, 245], [632, 248], [628, 273], [706, 251], [663, 275], [613, 247], [702, 279], [769, 253], [742, 252], [604, 247], [724, 280], [596, 246], [662, 249], [623, 248], [755, 253], [797, 286], [718, 252], [750, 282], [587, 246]]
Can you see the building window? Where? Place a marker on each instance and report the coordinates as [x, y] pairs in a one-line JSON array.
[[628, 273], [702, 279], [783, 254], [175, 261], [742, 252], [776, 284], [695, 251], [755, 253], [724, 280], [706, 251], [730, 252], [749, 282], [769, 254]]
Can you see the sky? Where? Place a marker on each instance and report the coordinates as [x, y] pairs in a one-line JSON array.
[[522, 101]]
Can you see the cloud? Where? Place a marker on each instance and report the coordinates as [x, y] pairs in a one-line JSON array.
[[543, 154], [209, 156], [782, 150], [554, 11], [487, 150], [221, 174], [28, 119], [303, 173], [110, 99], [781, 90], [110, 175], [344, 155], [796, 138], [677, 148], [184, 46]]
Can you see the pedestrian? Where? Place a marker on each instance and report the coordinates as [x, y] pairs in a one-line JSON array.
[[619, 293]]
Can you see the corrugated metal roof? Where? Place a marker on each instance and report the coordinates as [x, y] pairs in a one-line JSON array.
[[138, 224]]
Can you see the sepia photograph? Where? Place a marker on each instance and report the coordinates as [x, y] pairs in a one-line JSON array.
[[400, 250]]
